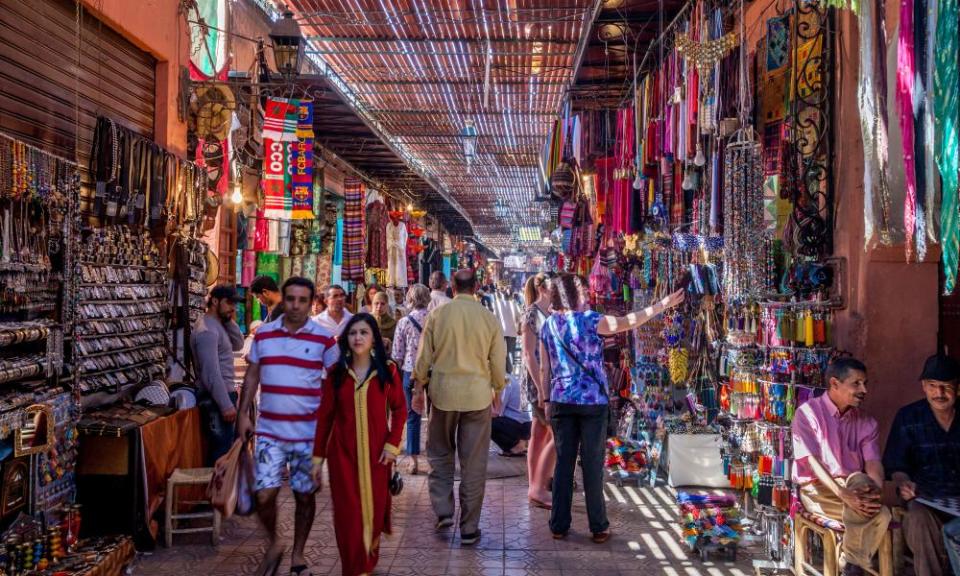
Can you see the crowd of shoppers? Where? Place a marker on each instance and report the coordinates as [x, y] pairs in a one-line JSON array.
[[337, 392]]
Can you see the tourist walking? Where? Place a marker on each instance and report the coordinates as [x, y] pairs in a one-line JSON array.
[[380, 310], [573, 391], [541, 453], [506, 312], [287, 365], [406, 344], [213, 340], [359, 427], [438, 290], [461, 365], [335, 317]]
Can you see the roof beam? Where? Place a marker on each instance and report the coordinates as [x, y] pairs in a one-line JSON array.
[[442, 39]]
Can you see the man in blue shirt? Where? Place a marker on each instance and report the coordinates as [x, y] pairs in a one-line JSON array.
[[923, 459], [510, 428]]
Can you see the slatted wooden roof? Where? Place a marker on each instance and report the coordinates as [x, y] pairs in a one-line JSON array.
[[622, 31], [420, 69]]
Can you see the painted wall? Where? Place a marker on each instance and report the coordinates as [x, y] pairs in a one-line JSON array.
[[891, 317], [155, 26]]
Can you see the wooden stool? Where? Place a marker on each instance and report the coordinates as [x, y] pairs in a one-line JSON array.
[[189, 477], [830, 533]]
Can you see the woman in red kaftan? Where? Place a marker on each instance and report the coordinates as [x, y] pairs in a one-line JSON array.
[[359, 427]]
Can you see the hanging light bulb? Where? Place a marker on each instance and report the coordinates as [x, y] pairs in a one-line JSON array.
[[687, 183], [700, 159], [410, 207], [237, 196], [638, 178]]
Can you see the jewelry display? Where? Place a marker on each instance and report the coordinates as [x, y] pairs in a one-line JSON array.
[[122, 308]]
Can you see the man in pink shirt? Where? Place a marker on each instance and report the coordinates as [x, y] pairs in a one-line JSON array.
[[837, 462]]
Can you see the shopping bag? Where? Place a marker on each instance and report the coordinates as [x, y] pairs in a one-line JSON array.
[[222, 490], [246, 475]]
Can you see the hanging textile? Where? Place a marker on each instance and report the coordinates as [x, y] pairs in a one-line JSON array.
[[279, 130], [377, 234], [929, 137], [912, 219], [301, 164], [397, 254], [871, 97], [353, 230], [947, 115], [269, 265]]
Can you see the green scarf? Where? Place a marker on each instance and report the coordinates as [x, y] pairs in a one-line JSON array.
[[946, 102]]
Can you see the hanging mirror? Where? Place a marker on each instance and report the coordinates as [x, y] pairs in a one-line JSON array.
[[36, 432]]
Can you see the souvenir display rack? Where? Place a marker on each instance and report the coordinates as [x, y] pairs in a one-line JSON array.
[[121, 304], [774, 359]]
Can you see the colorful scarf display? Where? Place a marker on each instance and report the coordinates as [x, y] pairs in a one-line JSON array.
[[947, 115], [288, 163]]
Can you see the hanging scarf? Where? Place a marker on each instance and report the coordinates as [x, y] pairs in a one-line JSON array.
[[301, 164], [874, 130], [929, 34], [946, 104], [905, 84]]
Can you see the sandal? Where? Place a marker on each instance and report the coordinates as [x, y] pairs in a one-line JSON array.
[[271, 569], [300, 570], [601, 537], [540, 504]]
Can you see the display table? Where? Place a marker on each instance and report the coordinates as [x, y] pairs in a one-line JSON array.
[[694, 460], [126, 456]]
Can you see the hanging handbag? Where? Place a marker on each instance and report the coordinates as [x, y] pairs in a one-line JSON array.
[[395, 484]]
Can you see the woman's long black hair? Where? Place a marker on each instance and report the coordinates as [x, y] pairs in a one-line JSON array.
[[379, 357]]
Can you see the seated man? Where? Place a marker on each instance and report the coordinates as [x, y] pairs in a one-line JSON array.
[[837, 463], [923, 459], [510, 428]]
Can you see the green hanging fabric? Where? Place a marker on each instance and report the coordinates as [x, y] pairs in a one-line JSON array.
[[946, 84]]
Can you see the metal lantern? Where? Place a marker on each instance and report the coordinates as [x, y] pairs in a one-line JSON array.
[[469, 136], [288, 45]]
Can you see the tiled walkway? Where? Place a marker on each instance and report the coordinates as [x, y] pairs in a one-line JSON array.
[[516, 540]]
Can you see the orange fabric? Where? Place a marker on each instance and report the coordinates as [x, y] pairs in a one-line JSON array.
[[169, 443]]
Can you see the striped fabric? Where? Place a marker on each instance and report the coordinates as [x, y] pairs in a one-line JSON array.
[[353, 230], [292, 369]]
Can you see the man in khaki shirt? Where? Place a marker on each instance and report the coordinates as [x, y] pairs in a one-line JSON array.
[[463, 357]]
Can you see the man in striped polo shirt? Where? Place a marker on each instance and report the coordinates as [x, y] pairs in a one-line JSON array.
[[287, 365]]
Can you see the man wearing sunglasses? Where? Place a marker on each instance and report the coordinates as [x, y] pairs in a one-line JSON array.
[[922, 458]]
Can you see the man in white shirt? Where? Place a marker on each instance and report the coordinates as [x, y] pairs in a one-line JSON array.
[[336, 316], [438, 290]]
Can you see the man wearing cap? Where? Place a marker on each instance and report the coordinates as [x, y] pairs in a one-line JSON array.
[[923, 460], [837, 463], [213, 340]]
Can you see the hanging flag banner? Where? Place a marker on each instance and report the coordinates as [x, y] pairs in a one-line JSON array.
[[275, 157], [301, 164], [288, 162]]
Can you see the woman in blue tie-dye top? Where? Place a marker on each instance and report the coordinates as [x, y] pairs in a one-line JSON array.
[[573, 390]]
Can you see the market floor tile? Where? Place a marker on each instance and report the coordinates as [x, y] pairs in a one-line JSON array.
[[516, 540]]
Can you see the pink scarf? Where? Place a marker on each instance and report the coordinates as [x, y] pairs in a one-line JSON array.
[[905, 81]]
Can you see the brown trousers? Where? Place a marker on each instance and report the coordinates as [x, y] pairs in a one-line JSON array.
[[863, 536], [923, 532], [468, 435]]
